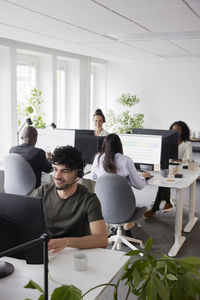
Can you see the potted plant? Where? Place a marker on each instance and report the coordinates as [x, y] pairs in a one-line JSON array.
[[149, 277], [125, 121], [31, 108]]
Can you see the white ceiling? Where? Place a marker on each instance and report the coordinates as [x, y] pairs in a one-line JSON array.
[[118, 30]]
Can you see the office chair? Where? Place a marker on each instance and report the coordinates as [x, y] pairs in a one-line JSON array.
[[118, 207], [19, 177]]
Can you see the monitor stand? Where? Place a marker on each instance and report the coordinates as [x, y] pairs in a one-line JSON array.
[[5, 269]]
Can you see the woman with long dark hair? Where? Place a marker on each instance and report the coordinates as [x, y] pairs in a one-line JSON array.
[[112, 160], [184, 155]]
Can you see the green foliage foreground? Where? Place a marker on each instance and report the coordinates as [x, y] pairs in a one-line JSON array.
[[147, 277]]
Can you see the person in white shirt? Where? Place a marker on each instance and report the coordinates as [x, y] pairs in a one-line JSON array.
[[99, 119], [112, 160], [184, 155]]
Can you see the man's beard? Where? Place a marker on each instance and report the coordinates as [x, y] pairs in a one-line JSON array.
[[66, 186]]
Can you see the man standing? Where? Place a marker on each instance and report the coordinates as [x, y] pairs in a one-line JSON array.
[[73, 215], [35, 156]]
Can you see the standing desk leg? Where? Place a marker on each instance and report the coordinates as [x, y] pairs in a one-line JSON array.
[[192, 203], [179, 239]]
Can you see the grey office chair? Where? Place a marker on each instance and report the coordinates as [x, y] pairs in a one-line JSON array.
[[19, 177], [118, 207]]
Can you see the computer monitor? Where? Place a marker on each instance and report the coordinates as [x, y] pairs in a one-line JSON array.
[[84, 132], [89, 146], [49, 139], [143, 149], [169, 143], [21, 221]]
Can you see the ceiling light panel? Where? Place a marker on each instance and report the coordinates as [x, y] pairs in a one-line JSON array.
[[163, 48], [83, 13], [122, 49], [160, 15], [192, 45], [28, 20]]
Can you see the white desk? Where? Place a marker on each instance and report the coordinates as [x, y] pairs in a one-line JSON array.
[[103, 265], [188, 180]]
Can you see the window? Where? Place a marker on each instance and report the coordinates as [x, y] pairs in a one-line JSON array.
[[60, 96], [26, 77]]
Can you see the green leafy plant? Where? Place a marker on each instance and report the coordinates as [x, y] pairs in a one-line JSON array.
[[126, 120], [162, 278], [31, 108], [149, 277]]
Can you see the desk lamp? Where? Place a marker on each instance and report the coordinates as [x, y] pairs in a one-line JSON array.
[[53, 125], [28, 122]]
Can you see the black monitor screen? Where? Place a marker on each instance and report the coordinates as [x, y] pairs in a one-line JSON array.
[[169, 143], [89, 146], [21, 221], [84, 131]]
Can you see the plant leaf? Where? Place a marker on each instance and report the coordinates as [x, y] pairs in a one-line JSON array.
[[162, 290], [66, 292], [33, 285], [171, 277], [133, 252], [148, 244], [190, 260]]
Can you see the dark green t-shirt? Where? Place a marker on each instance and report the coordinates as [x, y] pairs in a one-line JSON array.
[[69, 217]]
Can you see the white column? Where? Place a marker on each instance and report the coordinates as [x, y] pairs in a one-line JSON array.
[[84, 110], [8, 99]]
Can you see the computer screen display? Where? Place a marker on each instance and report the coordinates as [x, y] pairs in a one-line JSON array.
[[49, 139], [143, 149], [169, 143], [169, 135], [21, 221]]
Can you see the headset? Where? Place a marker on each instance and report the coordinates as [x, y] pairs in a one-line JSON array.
[[80, 174]]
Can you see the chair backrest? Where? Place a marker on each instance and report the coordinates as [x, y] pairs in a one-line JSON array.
[[19, 177], [116, 197]]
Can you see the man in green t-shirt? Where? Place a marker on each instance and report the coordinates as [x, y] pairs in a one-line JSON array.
[[73, 215]]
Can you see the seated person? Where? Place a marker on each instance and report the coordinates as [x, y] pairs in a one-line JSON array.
[[35, 156], [112, 160], [184, 155], [99, 119], [73, 215]]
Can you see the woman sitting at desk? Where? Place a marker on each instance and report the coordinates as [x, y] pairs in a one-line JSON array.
[[184, 155], [99, 119], [112, 160]]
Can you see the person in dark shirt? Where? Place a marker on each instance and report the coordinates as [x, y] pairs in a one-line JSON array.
[[35, 156], [73, 215]]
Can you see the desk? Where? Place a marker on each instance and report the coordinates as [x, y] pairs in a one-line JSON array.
[[103, 265], [188, 180]]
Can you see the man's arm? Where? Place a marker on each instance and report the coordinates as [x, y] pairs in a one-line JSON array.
[[46, 165], [97, 239]]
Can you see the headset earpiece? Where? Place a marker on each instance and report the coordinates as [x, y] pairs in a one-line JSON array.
[[80, 174]]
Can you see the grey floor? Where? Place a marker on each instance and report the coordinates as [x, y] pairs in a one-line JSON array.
[[161, 228]]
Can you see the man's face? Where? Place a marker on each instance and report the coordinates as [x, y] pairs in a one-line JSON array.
[[63, 176]]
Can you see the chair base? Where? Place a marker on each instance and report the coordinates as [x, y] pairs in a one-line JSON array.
[[118, 239]]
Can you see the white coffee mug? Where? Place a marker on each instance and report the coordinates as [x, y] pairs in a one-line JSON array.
[[80, 261], [197, 135]]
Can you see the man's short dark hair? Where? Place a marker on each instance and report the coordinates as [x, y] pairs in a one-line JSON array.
[[29, 133], [69, 156]]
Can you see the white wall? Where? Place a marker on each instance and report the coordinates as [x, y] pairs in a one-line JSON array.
[[168, 91], [8, 104]]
